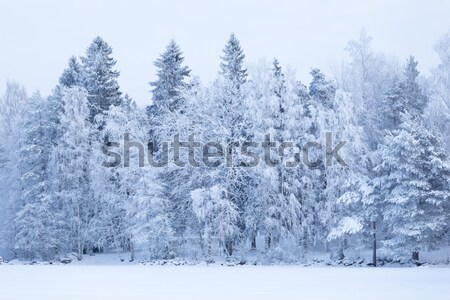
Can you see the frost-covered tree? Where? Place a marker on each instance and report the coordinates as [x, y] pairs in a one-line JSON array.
[[229, 94], [232, 65], [319, 108], [100, 78], [348, 211], [36, 221], [441, 72], [273, 209], [120, 190], [438, 110], [170, 114], [218, 216], [150, 224], [321, 89], [368, 76], [12, 108], [70, 159], [414, 180], [405, 96], [72, 75], [60, 192], [171, 76]]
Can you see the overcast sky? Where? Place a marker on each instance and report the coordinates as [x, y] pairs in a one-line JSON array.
[[38, 37]]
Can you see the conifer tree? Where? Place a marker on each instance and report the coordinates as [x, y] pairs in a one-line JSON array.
[[232, 65], [231, 97], [72, 76], [171, 76], [100, 78], [12, 110], [414, 181], [37, 220], [70, 160], [405, 96]]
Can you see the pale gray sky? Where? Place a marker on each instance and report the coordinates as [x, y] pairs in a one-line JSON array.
[[38, 37]]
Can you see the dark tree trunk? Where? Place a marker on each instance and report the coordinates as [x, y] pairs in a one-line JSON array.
[[268, 243], [254, 243], [132, 252], [415, 255], [229, 247], [374, 241], [340, 253]]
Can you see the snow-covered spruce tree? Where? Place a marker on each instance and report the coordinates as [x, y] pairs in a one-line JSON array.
[[37, 222], [414, 184], [72, 75], [213, 115], [232, 65], [321, 89], [100, 78], [320, 118], [171, 76], [70, 160], [405, 96], [229, 89], [12, 107], [304, 179], [290, 219], [166, 119]]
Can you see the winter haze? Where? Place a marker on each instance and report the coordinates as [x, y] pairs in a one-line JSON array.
[[41, 35]]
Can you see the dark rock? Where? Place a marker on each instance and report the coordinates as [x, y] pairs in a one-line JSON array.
[[65, 260]]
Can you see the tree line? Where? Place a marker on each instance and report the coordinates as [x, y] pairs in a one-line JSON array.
[[392, 195]]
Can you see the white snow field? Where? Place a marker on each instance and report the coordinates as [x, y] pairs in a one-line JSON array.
[[131, 282]]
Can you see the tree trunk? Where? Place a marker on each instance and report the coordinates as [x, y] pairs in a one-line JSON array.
[[254, 242], [340, 254], [79, 235], [415, 255], [79, 245], [132, 251], [268, 243], [374, 245], [229, 247], [304, 242], [80, 251]]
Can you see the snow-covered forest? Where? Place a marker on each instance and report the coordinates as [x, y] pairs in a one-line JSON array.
[[390, 196]]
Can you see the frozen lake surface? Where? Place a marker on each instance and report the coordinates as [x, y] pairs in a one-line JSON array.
[[96, 282]]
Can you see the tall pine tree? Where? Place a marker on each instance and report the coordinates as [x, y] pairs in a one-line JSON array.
[[171, 76], [100, 78], [414, 180]]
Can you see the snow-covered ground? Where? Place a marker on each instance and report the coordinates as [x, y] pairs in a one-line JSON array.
[[109, 282]]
